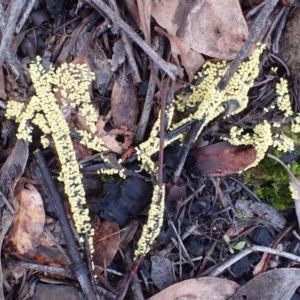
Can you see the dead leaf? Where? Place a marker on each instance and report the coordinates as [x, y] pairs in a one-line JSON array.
[[211, 288], [190, 59], [81, 150], [13, 168], [279, 284], [161, 272], [219, 159], [110, 138], [56, 292], [173, 200], [212, 27], [134, 11], [106, 243], [118, 56], [50, 256], [124, 103], [265, 211], [28, 222], [144, 7]]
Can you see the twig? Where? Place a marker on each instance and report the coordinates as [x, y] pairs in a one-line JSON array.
[[15, 10], [124, 288], [25, 15], [246, 189], [128, 48], [181, 243], [150, 93], [187, 145], [251, 249], [135, 284], [41, 268], [279, 30], [170, 69], [77, 266]]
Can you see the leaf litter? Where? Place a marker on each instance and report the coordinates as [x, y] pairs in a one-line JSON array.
[[194, 31]]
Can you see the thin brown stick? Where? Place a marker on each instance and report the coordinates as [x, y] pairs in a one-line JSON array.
[[150, 92], [77, 265], [25, 15], [41, 268], [128, 48]]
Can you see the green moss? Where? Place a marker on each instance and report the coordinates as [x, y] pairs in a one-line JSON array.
[[270, 180]]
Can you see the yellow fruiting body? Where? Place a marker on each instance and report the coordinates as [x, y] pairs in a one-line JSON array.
[[294, 192], [154, 222], [296, 124], [209, 101], [283, 98], [72, 83]]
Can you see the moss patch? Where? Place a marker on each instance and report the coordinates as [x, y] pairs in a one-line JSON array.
[[270, 180]]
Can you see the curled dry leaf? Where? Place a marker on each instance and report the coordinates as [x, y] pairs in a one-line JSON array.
[[212, 27], [28, 222], [110, 138], [106, 243], [219, 159], [199, 289]]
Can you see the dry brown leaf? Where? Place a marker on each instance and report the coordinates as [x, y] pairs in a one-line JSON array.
[[81, 150], [211, 288], [176, 193], [134, 11], [50, 256], [28, 222], [124, 103], [279, 284], [212, 27], [144, 7], [190, 59], [109, 140], [106, 243], [219, 159]]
